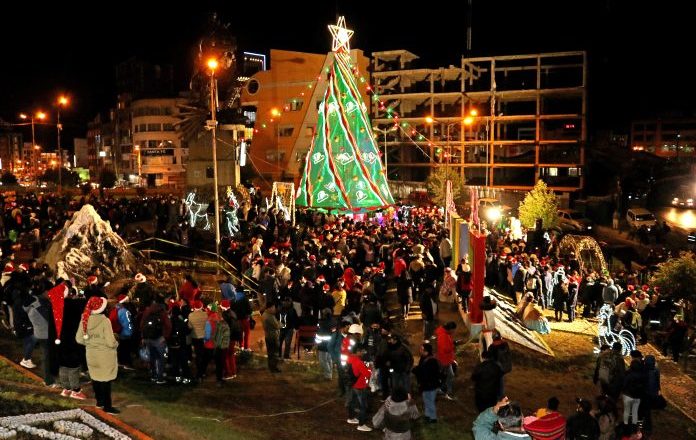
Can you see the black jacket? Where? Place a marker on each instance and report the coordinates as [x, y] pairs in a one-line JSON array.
[[427, 373], [486, 377], [426, 305]]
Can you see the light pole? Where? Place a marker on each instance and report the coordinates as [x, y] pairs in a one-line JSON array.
[[41, 116], [275, 118], [212, 124], [62, 102], [448, 155]]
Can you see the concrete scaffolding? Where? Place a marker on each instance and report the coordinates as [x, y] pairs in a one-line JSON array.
[[530, 119]]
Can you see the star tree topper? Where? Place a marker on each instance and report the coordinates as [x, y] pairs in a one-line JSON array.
[[341, 35]]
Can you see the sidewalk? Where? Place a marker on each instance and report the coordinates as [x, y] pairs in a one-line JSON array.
[[677, 387]]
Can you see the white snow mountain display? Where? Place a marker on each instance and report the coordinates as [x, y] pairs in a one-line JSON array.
[[86, 241]]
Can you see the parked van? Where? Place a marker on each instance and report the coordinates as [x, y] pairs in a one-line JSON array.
[[637, 217]]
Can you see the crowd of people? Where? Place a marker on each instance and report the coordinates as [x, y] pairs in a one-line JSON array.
[[327, 280]]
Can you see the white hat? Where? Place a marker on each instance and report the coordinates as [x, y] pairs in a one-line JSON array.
[[140, 278], [355, 329]]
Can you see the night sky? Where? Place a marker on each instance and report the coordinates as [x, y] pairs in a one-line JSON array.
[[639, 53]]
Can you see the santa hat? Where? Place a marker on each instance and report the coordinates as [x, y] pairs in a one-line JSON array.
[[326, 287], [196, 305], [645, 288], [140, 278], [92, 279], [631, 287], [95, 305], [24, 267], [9, 268], [121, 298], [321, 279], [56, 297], [312, 258], [225, 304]]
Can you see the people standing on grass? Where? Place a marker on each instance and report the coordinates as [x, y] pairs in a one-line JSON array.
[[96, 334], [395, 415], [427, 373], [271, 329], [446, 356]]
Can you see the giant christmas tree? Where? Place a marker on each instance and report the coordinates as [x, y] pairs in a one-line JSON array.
[[343, 170]]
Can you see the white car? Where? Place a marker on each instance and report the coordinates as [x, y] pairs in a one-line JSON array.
[[571, 220], [637, 217]]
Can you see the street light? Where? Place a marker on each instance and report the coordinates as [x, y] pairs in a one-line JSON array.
[[430, 120], [38, 115], [384, 132], [275, 118], [62, 102], [212, 125]]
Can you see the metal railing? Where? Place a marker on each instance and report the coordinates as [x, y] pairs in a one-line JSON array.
[[172, 254]]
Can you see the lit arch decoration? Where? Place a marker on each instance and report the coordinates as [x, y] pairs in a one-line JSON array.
[[587, 251]]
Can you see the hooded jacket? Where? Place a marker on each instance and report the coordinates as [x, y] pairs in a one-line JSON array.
[[395, 419]]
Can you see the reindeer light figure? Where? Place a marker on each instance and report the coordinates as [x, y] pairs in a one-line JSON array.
[[607, 335], [196, 211]]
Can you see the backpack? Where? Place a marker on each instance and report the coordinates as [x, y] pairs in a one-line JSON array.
[[153, 326], [531, 283], [351, 378], [235, 329], [115, 324], [221, 339], [504, 358]]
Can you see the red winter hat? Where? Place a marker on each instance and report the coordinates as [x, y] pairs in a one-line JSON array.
[[121, 298], [92, 279], [312, 258], [9, 268], [196, 305], [631, 287], [645, 288], [95, 305], [56, 297], [321, 279], [225, 304], [24, 267], [326, 287]]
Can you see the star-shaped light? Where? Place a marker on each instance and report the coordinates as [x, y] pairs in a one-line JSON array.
[[341, 35]]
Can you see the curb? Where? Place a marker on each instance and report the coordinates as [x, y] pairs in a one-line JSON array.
[[23, 371], [131, 431], [123, 426]]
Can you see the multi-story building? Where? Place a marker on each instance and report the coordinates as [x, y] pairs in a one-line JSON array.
[[100, 133], [668, 138], [501, 121], [80, 159], [282, 102], [159, 154], [199, 169], [11, 145]]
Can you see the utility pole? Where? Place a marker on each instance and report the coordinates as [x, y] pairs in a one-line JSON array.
[[212, 124]]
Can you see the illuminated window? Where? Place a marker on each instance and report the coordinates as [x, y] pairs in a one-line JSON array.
[[553, 172], [286, 131], [295, 105]]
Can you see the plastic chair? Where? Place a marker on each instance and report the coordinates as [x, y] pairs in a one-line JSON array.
[[305, 336]]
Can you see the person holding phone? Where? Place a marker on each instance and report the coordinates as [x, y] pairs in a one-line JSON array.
[[505, 417]]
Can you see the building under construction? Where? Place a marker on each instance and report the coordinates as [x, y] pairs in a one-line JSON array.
[[503, 122]]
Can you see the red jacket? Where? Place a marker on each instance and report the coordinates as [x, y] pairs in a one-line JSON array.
[[361, 372], [399, 266], [346, 348], [189, 292], [445, 346]]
